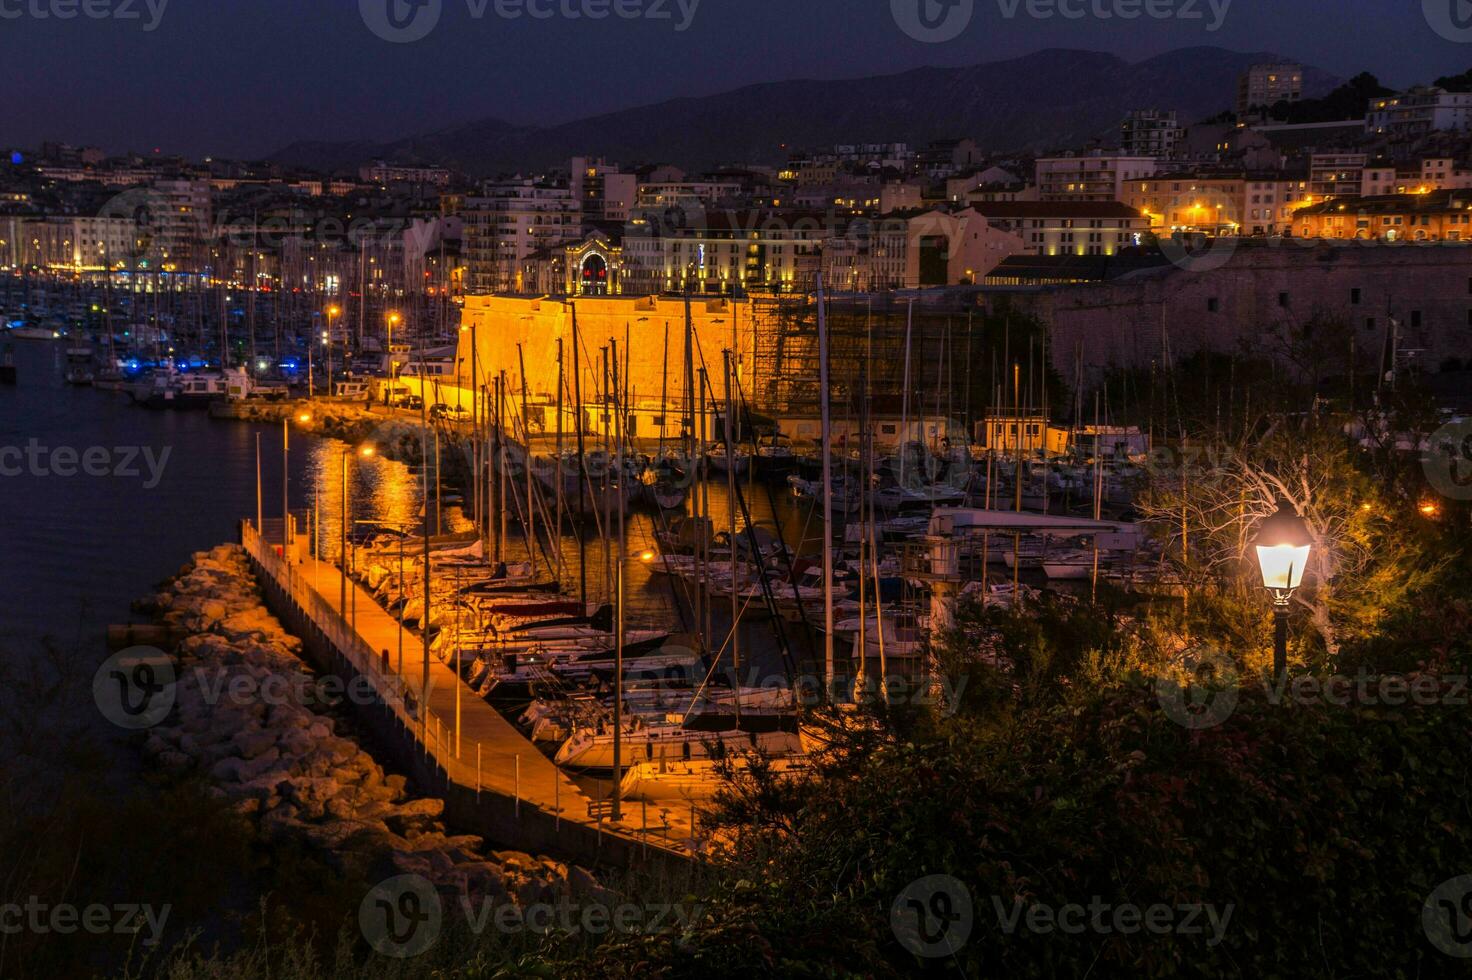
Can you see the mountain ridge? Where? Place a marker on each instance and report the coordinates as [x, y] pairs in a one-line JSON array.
[[1039, 102]]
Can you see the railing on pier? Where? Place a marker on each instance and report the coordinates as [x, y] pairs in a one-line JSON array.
[[433, 739]]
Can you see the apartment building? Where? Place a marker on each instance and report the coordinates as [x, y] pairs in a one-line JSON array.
[[1444, 216], [511, 220], [1418, 112], [1097, 177], [1263, 86], [76, 244], [1150, 133], [1433, 174], [1223, 204], [380, 172], [1336, 174], [1066, 227], [724, 252], [602, 190]]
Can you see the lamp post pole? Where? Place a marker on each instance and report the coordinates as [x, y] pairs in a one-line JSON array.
[[1280, 638], [342, 600], [286, 488]]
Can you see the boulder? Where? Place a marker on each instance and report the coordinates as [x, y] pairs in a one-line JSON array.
[[254, 743], [228, 770], [515, 860]]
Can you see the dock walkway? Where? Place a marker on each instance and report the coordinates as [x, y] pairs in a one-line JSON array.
[[492, 776]]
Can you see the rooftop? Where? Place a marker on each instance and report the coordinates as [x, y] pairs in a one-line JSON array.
[[1434, 202], [1055, 209]]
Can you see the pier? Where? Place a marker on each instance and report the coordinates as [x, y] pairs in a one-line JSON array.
[[495, 782]]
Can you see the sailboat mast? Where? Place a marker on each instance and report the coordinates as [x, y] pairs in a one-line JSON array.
[[827, 447]]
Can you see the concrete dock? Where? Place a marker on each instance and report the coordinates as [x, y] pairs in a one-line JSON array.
[[494, 780]]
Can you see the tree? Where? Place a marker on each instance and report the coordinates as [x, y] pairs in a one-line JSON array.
[[1366, 562]]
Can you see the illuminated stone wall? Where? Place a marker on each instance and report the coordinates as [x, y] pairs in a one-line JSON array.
[[649, 331]]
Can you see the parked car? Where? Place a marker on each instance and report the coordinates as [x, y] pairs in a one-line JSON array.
[[404, 398], [450, 413]]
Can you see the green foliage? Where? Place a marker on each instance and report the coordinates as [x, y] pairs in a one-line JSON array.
[[1455, 83], [1323, 827], [1348, 101]]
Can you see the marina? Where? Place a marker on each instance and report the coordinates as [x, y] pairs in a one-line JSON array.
[[645, 603]]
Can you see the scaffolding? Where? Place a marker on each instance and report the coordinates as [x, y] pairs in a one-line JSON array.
[[866, 348]]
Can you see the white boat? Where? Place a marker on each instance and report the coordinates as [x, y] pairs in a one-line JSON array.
[[593, 750], [741, 461], [1073, 565], [698, 779], [35, 333]]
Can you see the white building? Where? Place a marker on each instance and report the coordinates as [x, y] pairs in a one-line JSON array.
[[1419, 111], [721, 252], [379, 172], [1095, 177], [1064, 227], [507, 223]]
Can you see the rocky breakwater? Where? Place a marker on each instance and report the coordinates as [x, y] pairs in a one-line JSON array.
[[268, 736], [395, 435]]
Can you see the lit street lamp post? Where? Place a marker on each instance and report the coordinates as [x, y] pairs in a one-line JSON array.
[[616, 809], [1283, 544], [303, 418], [332, 311], [342, 605]]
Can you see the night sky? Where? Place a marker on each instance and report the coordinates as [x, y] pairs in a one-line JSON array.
[[245, 77]]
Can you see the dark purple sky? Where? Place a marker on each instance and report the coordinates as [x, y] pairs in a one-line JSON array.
[[245, 77]]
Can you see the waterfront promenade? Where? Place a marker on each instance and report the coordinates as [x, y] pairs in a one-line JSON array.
[[495, 781]]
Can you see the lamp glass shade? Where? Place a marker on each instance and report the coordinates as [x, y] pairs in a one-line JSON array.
[[1282, 565]]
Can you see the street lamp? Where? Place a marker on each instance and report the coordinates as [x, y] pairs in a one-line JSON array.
[[332, 311], [342, 605], [645, 557], [303, 418], [316, 516], [1283, 544], [393, 321]]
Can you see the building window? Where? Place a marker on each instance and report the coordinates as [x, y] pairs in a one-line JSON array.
[[1283, 300], [1415, 318], [1354, 297], [1369, 323], [1212, 305]]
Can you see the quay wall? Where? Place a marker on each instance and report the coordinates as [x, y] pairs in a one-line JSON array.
[[498, 817]]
